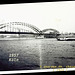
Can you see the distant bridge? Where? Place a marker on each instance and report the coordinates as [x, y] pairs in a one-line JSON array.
[[23, 28], [54, 30]]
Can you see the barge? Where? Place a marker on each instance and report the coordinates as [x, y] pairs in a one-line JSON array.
[[66, 37]]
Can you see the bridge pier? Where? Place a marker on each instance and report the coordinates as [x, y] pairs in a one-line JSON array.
[[19, 35]]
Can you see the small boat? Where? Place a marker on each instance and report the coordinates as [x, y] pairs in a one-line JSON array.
[[61, 39]]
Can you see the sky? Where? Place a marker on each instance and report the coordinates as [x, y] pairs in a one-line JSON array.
[[55, 15]]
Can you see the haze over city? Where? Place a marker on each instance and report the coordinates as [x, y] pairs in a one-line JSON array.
[[56, 15]]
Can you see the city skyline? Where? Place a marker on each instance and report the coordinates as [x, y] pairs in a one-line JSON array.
[[55, 15]]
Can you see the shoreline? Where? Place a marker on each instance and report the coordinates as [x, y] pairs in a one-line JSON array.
[[25, 38]]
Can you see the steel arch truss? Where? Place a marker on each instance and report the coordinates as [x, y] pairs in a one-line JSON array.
[[10, 24], [54, 30]]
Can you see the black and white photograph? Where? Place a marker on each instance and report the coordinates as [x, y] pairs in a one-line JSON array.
[[37, 36]]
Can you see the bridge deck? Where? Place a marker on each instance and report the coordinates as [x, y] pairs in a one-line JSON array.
[[6, 32]]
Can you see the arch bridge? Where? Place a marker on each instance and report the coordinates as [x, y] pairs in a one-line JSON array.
[[18, 28], [24, 28], [50, 30], [50, 33]]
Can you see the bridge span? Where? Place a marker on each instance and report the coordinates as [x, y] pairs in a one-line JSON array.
[[24, 28]]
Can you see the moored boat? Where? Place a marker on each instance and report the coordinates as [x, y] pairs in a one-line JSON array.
[[66, 38]]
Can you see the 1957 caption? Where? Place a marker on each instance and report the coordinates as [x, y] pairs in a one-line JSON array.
[[13, 57]]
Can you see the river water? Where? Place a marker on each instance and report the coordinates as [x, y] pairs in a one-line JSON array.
[[33, 53]]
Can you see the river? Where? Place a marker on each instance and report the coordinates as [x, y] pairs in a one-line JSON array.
[[33, 53]]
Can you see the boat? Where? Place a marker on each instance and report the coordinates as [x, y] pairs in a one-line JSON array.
[[68, 37]]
